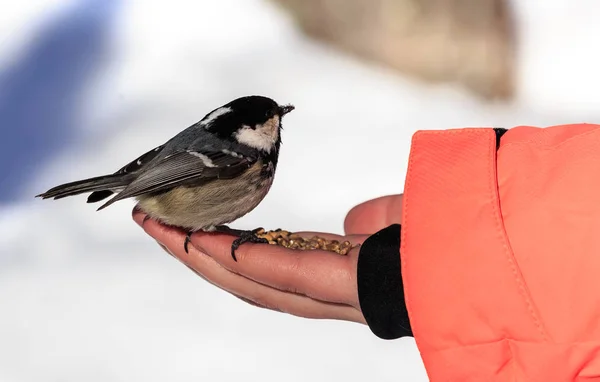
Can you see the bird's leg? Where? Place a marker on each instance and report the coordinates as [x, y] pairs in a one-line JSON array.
[[250, 236]]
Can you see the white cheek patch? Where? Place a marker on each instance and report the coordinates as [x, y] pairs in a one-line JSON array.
[[209, 119], [205, 160], [255, 138], [261, 138]]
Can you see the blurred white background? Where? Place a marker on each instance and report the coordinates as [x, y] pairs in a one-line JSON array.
[[88, 85]]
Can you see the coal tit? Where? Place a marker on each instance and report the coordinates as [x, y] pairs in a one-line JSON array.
[[207, 176]]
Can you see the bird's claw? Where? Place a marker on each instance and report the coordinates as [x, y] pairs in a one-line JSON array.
[[188, 240], [247, 237]]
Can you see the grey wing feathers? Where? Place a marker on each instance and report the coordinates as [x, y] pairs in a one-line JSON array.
[[183, 168], [130, 168]]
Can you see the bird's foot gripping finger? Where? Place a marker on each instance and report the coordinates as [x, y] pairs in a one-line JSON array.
[[246, 237], [291, 240], [243, 237]]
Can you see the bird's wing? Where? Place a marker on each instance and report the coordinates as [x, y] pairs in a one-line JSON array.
[[185, 168], [131, 168]]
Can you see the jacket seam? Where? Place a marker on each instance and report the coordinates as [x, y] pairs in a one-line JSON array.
[[505, 242]]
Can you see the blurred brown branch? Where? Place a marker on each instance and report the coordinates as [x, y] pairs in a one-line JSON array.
[[469, 42]]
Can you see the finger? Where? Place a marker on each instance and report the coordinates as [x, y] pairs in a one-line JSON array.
[[317, 274], [373, 215], [241, 287]]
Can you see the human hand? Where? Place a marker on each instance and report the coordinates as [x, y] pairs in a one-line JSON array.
[[311, 284]]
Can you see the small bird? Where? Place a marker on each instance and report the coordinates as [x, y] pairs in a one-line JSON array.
[[210, 174]]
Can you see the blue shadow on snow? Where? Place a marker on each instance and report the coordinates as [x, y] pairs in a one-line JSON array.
[[40, 92]]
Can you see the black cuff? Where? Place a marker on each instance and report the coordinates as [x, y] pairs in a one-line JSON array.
[[380, 288]]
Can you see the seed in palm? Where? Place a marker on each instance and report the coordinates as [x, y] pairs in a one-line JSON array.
[[292, 240]]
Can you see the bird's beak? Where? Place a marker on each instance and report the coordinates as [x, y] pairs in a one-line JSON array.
[[283, 110]]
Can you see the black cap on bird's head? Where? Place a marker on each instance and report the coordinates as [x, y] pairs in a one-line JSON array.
[[258, 109]]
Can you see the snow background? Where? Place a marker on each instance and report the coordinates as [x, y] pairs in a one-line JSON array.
[[87, 85]]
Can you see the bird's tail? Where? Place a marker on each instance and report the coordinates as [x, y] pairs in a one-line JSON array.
[[101, 187]]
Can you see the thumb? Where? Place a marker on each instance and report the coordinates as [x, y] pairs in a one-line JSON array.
[[373, 215]]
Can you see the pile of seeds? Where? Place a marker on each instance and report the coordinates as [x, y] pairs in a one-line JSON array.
[[291, 240]]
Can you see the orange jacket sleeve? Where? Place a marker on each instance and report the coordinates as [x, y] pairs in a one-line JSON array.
[[500, 253]]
